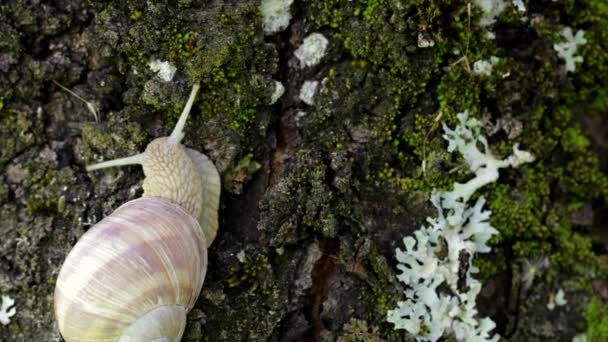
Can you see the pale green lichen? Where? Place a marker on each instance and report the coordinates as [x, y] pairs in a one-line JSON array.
[[307, 92], [240, 173], [279, 90], [164, 69], [312, 50], [442, 253], [7, 309], [567, 49], [276, 14]]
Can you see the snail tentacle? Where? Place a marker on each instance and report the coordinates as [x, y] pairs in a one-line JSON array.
[[178, 132], [132, 160]]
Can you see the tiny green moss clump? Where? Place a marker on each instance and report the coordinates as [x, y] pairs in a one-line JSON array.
[[240, 174], [596, 320], [252, 273], [356, 330], [114, 138], [15, 128], [249, 303]]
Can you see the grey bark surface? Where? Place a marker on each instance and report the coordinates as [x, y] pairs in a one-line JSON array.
[[316, 197]]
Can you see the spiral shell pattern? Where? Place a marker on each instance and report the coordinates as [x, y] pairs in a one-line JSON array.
[[141, 268]]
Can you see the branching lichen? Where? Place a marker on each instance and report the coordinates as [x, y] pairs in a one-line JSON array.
[[7, 309], [442, 253]]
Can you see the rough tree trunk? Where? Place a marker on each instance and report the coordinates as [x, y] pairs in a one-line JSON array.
[[316, 197]]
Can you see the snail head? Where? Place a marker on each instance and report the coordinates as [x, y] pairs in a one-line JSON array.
[[169, 169]]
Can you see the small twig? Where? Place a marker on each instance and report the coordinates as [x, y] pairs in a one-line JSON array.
[[466, 50], [464, 59], [90, 105]]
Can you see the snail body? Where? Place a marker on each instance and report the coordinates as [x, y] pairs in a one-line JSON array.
[[135, 274]]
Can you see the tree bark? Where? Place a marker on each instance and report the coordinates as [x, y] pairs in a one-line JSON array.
[[317, 192]]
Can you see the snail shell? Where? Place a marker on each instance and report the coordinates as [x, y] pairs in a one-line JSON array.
[[135, 275], [115, 279]]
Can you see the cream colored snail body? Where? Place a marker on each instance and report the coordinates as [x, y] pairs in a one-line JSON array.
[[135, 275]]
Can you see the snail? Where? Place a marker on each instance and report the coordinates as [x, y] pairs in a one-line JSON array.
[[134, 275]]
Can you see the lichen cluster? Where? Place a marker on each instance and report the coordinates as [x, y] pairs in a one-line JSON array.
[[441, 254]]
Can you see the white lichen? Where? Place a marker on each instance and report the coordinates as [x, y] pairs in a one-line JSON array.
[[279, 90], [241, 256], [440, 255], [312, 50], [491, 9], [425, 40], [276, 15], [307, 92], [300, 115], [163, 69], [484, 67], [7, 310], [519, 4], [559, 299], [531, 269], [567, 49]]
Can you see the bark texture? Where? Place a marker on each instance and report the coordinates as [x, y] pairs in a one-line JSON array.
[[316, 194]]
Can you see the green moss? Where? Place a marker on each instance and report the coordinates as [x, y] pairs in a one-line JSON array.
[[250, 307], [533, 210], [363, 37], [328, 14], [47, 206], [240, 174], [112, 139], [527, 100], [181, 46], [588, 89], [596, 320], [135, 15], [47, 196], [226, 57], [3, 190], [250, 273], [17, 132], [37, 244], [386, 298], [527, 219], [357, 331]]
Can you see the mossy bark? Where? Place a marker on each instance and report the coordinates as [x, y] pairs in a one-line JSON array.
[[315, 197]]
